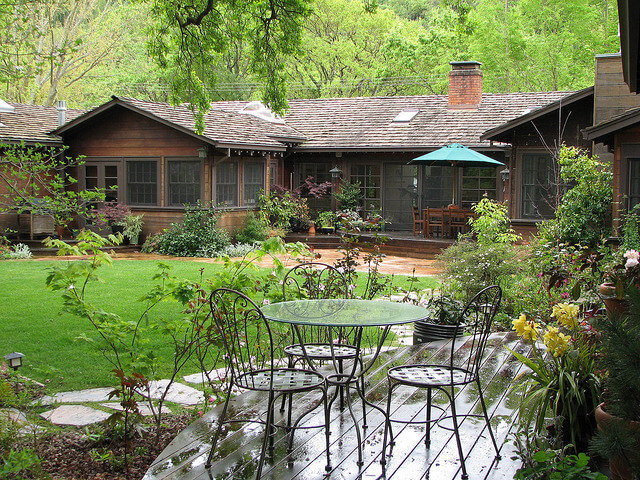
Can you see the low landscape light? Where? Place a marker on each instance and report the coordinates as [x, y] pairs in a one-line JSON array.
[[14, 360]]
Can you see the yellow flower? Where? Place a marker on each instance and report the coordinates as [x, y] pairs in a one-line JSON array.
[[566, 314], [527, 329], [556, 341]]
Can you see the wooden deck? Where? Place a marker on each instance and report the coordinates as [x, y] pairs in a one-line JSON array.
[[237, 452]]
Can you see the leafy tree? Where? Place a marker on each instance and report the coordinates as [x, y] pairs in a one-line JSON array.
[[37, 179]]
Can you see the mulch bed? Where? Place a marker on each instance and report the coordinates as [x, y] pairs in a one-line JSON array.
[[71, 455]]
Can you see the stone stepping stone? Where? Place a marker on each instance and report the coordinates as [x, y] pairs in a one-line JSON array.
[[78, 396], [178, 392], [143, 408], [217, 374], [13, 415], [76, 415]]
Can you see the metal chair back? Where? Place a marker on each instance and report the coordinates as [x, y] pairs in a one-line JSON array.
[[244, 330], [478, 316], [316, 281]]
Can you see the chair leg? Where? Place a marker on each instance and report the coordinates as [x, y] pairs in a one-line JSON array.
[[360, 462], [364, 403], [290, 364], [387, 426], [327, 431], [427, 435], [340, 371], [456, 430], [216, 435], [267, 436], [486, 417]]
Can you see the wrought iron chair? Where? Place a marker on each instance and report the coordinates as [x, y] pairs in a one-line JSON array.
[[248, 344], [478, 316], [316, 280]]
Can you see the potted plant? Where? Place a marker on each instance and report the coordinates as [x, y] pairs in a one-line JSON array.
[[132, 226], [113, 214], [325, 221], [618, 417], [620, 278], [444, 314]]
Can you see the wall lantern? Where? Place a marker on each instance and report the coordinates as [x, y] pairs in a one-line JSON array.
[[202, 152], [504, 174], [14, 360], [335, 173]]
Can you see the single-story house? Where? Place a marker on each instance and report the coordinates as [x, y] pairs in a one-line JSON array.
[[153, 153]]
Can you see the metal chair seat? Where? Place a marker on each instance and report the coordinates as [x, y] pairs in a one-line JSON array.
[[430, 375], [284, 380], [322, 351]]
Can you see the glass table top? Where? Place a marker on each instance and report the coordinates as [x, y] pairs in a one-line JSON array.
[[344, 313]]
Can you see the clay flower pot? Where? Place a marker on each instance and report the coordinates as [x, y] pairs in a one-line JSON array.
[[620, 470], [615, 306]]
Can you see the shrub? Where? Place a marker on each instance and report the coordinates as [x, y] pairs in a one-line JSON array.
[[631, 230], [18, 251], [492, 224], [584, 214], [282, 210], [196, 233], [253, 230], [350, 196]]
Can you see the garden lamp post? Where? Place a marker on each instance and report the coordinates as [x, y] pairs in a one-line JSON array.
[[335, 177], [14, 360]]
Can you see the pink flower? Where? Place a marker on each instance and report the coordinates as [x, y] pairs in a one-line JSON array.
[[266, 302], [631, 262], [564, 295]]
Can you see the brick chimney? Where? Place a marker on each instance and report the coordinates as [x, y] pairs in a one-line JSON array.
[[465, 85]]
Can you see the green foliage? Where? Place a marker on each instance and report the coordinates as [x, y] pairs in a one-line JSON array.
[[619, 354], [555, 465], [471, 266], [326, 219], [132, 227], [584, 214], [253, 230], [37, 179], [281, 210], [631, 230], [196, 233], [350, 196], [187, 37], [444, 309], [492, 224], [19, 464]]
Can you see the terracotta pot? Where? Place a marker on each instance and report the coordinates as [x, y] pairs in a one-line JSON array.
[[60, 229], [312, 229], [615, 306], [620, 470]]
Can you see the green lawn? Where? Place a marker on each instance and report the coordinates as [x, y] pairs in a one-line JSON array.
[[31, 320]]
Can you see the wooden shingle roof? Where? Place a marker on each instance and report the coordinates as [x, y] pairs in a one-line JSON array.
[[367, 123], [32, 124]]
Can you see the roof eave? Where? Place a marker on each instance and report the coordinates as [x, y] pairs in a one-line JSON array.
[[391, 148], [605, 129], [521, 120]]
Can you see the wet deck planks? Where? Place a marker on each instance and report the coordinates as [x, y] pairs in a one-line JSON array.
[[237, 453]]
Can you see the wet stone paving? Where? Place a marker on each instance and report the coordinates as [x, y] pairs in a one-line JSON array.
[[238, 450]]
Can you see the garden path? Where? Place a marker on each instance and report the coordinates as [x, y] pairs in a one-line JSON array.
[[390, 265]]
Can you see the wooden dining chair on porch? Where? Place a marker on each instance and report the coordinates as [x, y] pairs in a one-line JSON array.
[[418, 220], [458, 221], [239, 324], [434, 222], [477, 317]]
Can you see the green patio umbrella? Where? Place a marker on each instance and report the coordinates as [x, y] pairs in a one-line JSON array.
[[456, 155]]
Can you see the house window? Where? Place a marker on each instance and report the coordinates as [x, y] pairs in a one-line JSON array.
[[476, 181], [227, 184], [370, 182], [102, 174], [253, 182], [183, 178], [142, 182], [634, 182], [538, 178]]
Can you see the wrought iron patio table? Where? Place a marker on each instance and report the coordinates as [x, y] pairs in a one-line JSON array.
[[337, 315]]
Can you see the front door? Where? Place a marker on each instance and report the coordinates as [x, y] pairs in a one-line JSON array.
[[400, 194]]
